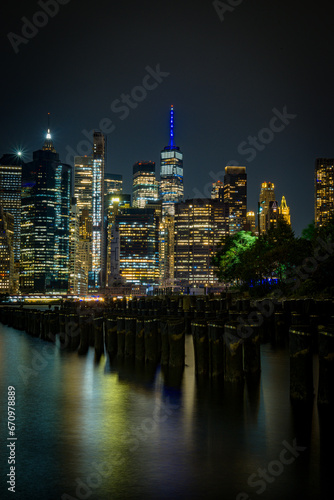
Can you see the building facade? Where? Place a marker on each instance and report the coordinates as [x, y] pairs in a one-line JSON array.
[[284, 211], [171, 173], [200, 225], [267, 195], [137, 231], [7, 224], [235, 196], [45, 215], [145, 187], [10, 194], [323, 190], [96, 277]]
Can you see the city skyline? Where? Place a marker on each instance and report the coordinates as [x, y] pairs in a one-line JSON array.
[[228, 83]]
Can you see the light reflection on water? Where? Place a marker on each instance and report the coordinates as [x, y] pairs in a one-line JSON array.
[[150, 436]]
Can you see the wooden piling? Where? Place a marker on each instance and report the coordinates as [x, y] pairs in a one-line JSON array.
[[201, 347], [326, 366], [301, 363], [176, 336], [130, 337], [234, 354]]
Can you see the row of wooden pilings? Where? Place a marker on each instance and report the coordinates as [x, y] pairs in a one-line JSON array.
[[226, 334]]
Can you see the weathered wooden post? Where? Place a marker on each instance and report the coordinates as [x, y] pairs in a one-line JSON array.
[[251, 351], [98, 335], [301, 364], [84, 326], [140, 340], [120, 336], [216, 348], [130, 337], [111, 336], [326, 366], [176, 336], [152, 353], [164, 341], [234, 354], [201, 347]]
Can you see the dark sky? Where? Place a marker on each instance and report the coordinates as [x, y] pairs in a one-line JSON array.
[[225, 78]]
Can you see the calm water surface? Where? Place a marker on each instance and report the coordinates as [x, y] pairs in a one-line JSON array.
[[88, 429]]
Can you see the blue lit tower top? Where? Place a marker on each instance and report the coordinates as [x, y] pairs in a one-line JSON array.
[[171, 173], [171, 140]]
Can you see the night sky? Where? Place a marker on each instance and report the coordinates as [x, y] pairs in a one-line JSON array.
[[224, 78]]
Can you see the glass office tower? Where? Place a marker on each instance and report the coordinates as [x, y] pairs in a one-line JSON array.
[[171, 173]]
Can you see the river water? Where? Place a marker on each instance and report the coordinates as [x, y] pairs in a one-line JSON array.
[[89, 429]]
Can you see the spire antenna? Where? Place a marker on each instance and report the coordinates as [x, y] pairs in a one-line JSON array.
[[48, 144], [171, 134]]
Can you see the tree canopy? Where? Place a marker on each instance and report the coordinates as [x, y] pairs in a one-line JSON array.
[[279, 259]]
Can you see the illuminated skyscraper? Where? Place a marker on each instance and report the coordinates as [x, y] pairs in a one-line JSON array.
[[171, 173], [145, 187], [46, 197], [89, 182], [113, 184], [324, 190], [6, 252], [83, 183], [113, 188], [77, 272], [250, 221], [96, 280], [114, 204], [267, 195], [10, 194], [284, 210], [138, 234], [217, 191], [200, 225], [235, 196]]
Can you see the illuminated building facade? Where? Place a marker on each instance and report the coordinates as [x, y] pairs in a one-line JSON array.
[[113, 184], [77, 273], [324, 190], [145, 187], [235, 196], [10, 194], [138, 233], [272, 214], [166, 251], [83, 193], [217, 191], [96, 280], [251, 222], [267, 195], [284, 211], [6, 252], [113, 188], [89, 183], [171, 173], [83, 183], [45, 214], [200, 224], [114, 203]]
